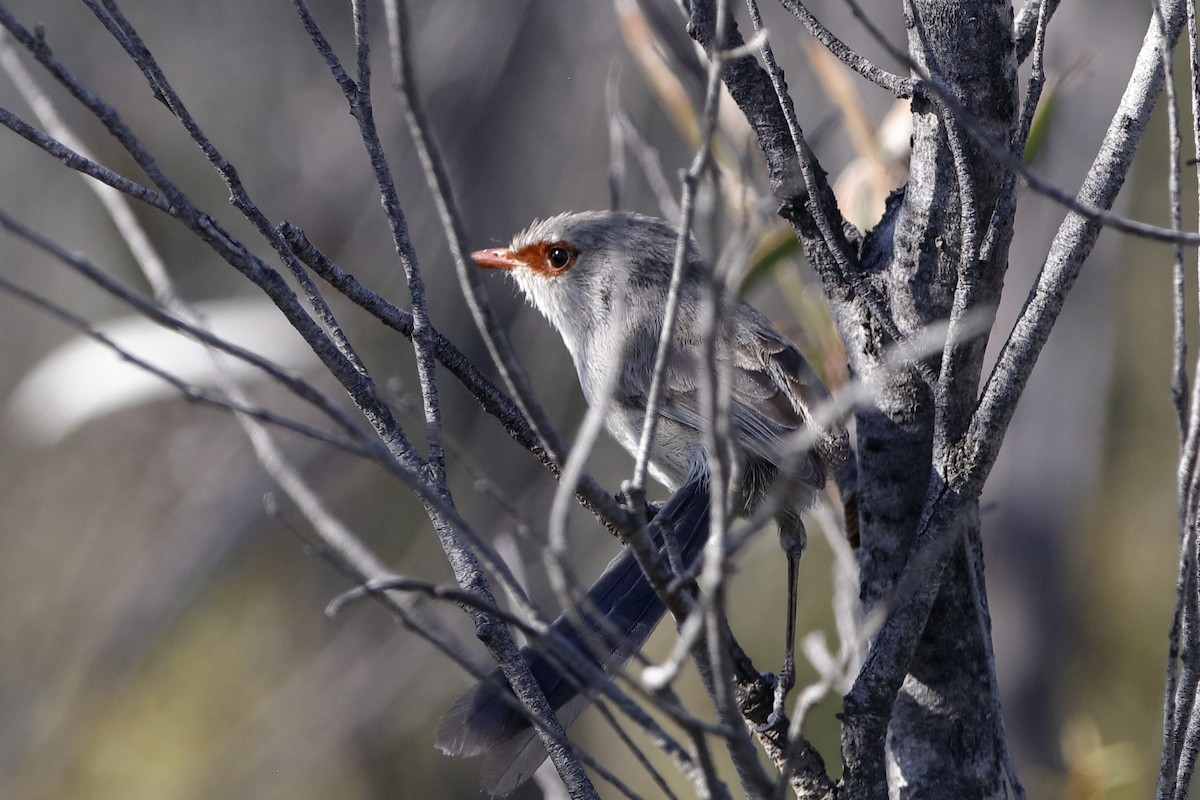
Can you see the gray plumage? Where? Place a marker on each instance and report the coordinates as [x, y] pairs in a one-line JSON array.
[[602, 279], [608, 306]]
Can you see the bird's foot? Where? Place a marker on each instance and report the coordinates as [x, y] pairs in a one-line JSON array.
[[779, 707], [652, 509], [777, 715], [783, 687]]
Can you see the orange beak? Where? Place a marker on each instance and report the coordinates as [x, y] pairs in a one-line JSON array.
[[496, 258]]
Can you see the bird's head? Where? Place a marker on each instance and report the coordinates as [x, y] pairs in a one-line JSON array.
[[589, 270]]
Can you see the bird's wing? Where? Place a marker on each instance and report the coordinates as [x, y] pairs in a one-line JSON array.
[[775, 393], [799, 391]]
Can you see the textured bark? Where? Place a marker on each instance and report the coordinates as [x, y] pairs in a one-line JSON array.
[[942, 738]]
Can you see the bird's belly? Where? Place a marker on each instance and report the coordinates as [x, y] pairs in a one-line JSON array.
[[676, 448]]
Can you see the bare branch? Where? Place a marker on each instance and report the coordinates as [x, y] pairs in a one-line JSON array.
[[75, 161], [898, 86], [233, 252], [189, 392], [497, 341], [129, 39], [1031, 15], [1183, 659], [142, 305]]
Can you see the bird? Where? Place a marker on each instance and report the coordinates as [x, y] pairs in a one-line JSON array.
[[601, 279]]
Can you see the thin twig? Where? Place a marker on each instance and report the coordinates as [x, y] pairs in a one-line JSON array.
[[1179, 690], [1031, 15], [155, 313], [655, 397], [957, 360], [1179, 378], [897, 85], [362, 110], [616, 143], [129, 39], [75, 161], [228, 248], [495, 338], [624, 131], [189, 392]]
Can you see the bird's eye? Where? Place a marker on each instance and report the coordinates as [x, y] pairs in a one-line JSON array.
[[560, 256]]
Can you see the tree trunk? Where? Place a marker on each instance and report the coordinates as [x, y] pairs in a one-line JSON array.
[[943, 738]]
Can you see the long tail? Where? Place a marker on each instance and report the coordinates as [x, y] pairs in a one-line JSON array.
[[485, 722]]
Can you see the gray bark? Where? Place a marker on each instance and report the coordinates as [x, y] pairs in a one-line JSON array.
[[942, 735]]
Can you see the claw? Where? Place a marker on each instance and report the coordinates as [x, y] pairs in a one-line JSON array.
[[773, 719]]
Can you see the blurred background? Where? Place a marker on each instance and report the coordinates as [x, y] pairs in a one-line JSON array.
[[162, 630]]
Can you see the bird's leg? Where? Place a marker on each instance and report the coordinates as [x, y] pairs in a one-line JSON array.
[[792, 539], [787, 673]]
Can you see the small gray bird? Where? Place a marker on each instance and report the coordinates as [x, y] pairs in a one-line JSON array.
[[601, 279]]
